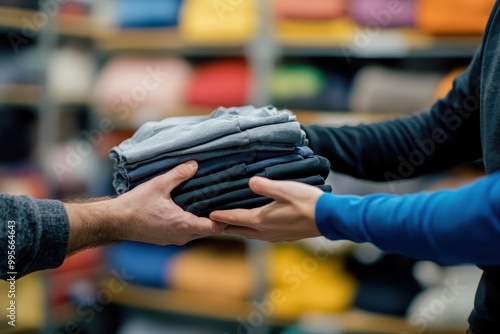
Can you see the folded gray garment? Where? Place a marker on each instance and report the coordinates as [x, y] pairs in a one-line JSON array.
[[183, 135], [121, 181], [152, 149], [253, 201]]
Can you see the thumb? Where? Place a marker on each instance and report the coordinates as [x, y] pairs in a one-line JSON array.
[[170, 180], [275, 189]]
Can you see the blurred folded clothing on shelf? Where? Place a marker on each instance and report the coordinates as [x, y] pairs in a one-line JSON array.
[[383, 13], [304, 31], [82, 267], [382, 90], [145, 264], [218, 21], [133, 90], [453, 17], [311, 9], [19, 68], [225, 267], [306, 283], [261, 141], [151, 13], [71, 9], [297, 82], [385, 286], [307, 87], [220, 82], [26, 4], [70, 75], [18, 129]]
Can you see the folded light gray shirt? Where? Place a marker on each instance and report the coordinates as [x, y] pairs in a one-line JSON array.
[[225, 127]]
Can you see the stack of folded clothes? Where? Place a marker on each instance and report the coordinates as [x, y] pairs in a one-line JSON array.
[[230, 145]]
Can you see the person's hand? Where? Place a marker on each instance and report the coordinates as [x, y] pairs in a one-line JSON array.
[[147, 214], [155, 218], [289, 218]]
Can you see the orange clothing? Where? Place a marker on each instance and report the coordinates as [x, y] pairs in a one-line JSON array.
[[453, 17]]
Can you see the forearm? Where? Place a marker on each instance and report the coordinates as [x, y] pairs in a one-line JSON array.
[[95, 223], [449, 227], [47, 231], [447, 135]]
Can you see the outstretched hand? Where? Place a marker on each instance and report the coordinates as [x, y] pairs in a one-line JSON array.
[[291, 217], [147, 214], [155, 218]]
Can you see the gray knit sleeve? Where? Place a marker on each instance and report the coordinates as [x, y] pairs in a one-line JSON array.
[[34, 235]]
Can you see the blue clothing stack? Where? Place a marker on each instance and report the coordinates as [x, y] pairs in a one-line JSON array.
[[230, 145]]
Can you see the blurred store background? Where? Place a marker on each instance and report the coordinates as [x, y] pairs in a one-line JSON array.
[[79, 76]]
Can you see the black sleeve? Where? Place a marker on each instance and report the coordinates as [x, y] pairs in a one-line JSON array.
[[447, 135], [34, 233]]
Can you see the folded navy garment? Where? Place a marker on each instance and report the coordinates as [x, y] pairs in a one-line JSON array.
[[249, 203], [313, 165], [251, 168], [216, 195], [205, 167]]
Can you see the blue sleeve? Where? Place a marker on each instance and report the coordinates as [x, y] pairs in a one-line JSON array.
[[448, 227]]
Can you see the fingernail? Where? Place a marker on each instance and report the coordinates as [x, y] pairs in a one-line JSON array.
[[255, 180], [193, 164]]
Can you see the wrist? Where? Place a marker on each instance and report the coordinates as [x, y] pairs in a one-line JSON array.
[[94, 224]]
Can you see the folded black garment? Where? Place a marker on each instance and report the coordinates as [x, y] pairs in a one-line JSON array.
[[313, 165], [216, 195], [250, 203]]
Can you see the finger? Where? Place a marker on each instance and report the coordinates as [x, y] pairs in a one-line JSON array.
[[170, 180], [243, 232], [238, 217], [279, 190], [205, 226]]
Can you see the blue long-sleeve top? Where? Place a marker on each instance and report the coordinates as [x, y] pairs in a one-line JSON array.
[[449, 226]]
